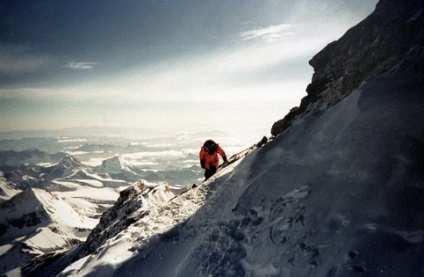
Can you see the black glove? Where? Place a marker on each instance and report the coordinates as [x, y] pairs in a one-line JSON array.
[[202, 163]]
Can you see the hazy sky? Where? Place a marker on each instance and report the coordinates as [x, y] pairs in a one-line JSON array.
[[174, 65]]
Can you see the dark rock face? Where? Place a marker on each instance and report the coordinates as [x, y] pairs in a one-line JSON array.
[[389, 41], [29, 220], [284, 123]]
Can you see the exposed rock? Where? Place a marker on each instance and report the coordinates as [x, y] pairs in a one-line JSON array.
[[284, 123], [133, 203], [390, 40], [262, 142]]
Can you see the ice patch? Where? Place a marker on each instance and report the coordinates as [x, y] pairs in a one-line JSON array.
[[256, 269], [5, 248], [296, 194]]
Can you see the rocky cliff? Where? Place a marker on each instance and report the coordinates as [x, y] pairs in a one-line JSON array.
[[389, 41]]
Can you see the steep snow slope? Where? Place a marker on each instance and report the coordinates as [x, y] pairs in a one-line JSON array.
[[339, 192]]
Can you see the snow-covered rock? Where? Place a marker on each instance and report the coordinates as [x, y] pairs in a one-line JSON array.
[[113, 166], [67, 166], [134, 203], [35, 222], [7, 189]]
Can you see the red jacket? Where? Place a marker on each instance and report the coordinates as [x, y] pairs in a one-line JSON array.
[[207, 160]]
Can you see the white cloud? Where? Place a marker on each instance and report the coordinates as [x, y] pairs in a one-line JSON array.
[[81, 65], [269, 34]]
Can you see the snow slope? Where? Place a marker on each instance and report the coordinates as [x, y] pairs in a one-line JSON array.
[[338, 193]]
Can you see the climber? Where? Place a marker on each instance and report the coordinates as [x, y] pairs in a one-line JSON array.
[[209, 159]]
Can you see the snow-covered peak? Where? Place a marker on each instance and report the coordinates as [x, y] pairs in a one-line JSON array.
[[67, 166], [37, 207], [40, 222], [113, 165], [116, 167], [70, 162]]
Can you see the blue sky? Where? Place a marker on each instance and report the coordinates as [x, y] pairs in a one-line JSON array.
[[173, 65]]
